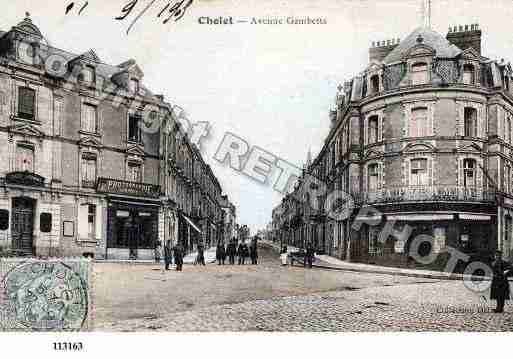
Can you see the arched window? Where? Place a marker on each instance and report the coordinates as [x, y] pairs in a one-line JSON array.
[[468, 74], [470, 122], [419, 73], [469, 172], [374, 84]]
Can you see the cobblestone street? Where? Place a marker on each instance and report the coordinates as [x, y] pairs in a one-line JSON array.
[[269, 297]]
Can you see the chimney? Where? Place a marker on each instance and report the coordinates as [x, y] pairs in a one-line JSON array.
[[380, 49], [465, 36]]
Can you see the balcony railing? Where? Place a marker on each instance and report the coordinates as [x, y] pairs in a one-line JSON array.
[[109, 185], [437, 193]]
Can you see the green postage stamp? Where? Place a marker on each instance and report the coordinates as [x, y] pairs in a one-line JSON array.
[[45, 295]]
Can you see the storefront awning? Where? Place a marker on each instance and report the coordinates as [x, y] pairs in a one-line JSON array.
[[421, 217], [192, 224], [475, 217]]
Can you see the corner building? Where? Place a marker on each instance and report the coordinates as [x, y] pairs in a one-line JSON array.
[[424, 136]]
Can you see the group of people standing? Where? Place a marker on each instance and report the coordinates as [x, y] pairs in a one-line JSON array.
[[177, 252], [242, 251]]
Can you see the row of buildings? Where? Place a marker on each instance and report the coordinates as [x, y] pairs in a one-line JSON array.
[[424, 136], [94, 163]]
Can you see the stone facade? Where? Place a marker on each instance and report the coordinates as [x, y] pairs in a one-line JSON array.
[[88, 165], [432, 153]]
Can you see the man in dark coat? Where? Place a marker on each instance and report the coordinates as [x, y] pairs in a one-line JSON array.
[[201, 254], [500, 286], [253, 252], [309, 255], [231, 251], [178, 252], [220, 253], [242, 252], [167, 254]]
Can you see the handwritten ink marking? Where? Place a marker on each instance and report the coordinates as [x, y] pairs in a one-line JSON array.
[[140, 15], [177, 11], [83, 7], [127, 9], [69, 7], [72, 5]]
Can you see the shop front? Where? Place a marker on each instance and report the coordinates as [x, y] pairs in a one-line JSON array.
[[133, 219]]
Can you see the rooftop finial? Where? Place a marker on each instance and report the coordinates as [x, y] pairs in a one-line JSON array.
[[27, 14]]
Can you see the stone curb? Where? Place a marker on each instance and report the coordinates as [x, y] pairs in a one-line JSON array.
[[395, 271]]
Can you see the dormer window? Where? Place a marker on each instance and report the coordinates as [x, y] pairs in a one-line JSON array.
[[134, 86], [88, 74], [374, 84], [468, 75], [419, 73]]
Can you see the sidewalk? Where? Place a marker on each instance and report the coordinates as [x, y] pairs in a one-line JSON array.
[[210, 257], [328, 262]]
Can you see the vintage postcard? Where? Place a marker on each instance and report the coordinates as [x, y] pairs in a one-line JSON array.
[[228, 166]]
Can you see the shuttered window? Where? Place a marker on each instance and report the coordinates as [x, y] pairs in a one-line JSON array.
[[58, 115], [26, 103], [89, 118], [419, 122], [89, 171]]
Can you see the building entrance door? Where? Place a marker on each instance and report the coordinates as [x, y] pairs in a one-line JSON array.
[[23, 225]]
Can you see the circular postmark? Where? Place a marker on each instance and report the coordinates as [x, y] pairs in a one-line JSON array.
[[46, 296]]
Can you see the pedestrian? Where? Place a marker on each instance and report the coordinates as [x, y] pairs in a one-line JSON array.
[[231, 251], [167, 254], [200, 259], [253, 252], [220, 253], [158, 252], [309, 255], [500, 285], [242, 252], [284, 256], [178, 252]]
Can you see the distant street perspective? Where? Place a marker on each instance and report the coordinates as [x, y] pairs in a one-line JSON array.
[[272, 297]]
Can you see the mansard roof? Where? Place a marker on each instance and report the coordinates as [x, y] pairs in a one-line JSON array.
[[430, 38]]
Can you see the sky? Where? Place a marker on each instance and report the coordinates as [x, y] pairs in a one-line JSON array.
[[271, 85]]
